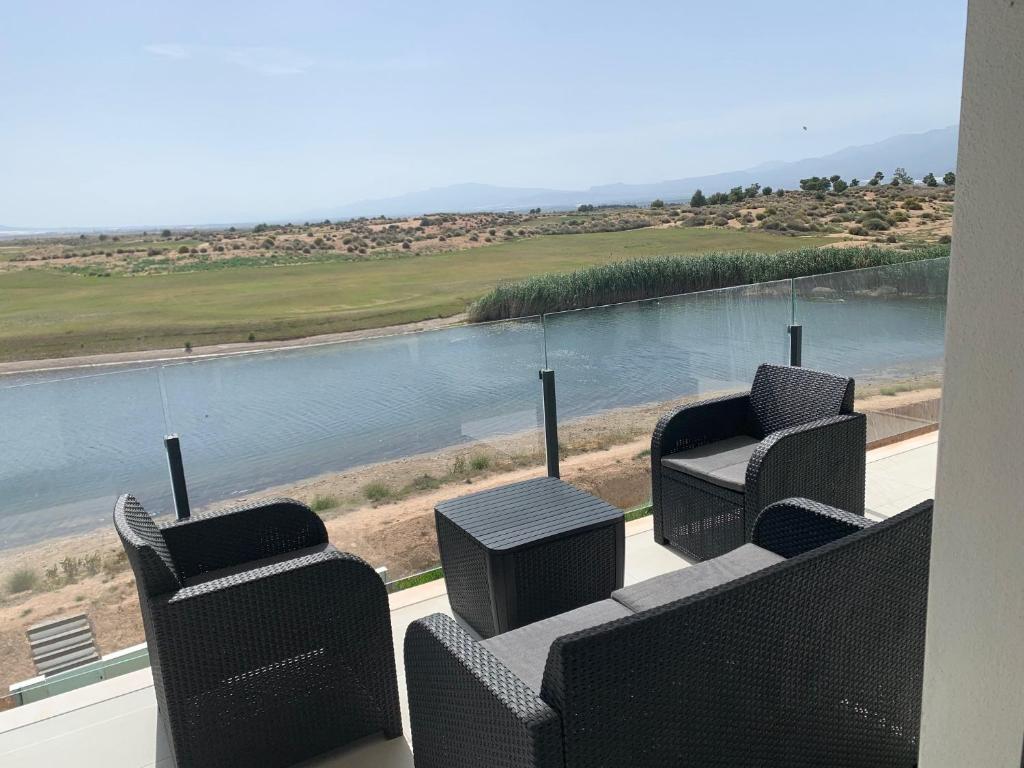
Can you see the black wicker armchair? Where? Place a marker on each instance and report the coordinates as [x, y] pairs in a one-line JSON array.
[[717, 463], [268, 646], [802, 649]]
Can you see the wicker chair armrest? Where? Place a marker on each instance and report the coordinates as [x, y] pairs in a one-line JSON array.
[[699, 423], [794, 526], [325, 599], [467, 709], [236, 535], [822, 459]]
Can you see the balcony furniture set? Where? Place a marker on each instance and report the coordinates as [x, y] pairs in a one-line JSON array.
[[797, 640]]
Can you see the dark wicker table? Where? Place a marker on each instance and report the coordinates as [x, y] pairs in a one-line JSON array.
[[526, 551]]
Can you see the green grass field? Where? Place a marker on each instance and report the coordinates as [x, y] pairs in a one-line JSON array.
[[48, 313]]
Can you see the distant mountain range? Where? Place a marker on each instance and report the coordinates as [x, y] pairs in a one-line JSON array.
[[920, 153]]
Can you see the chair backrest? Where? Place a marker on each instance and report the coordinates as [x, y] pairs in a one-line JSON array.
[[817, 660], [146, 548], [783, 396]]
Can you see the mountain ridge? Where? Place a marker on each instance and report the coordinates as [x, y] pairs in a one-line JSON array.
[[920, 153]]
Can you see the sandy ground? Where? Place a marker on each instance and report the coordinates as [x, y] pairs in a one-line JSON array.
[[220, 350], [606, 454]]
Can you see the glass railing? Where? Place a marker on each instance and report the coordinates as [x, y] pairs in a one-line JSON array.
[[373, 433], [884, 326], [368, 432], [619, 367]]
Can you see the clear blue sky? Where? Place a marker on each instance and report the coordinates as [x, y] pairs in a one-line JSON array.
[[192, 112]]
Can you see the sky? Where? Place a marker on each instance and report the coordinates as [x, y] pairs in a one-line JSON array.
[[144, 113]]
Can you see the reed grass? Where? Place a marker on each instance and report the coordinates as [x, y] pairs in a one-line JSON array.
[[648, 278]]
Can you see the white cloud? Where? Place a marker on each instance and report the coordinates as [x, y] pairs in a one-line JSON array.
[[169, 50], [263, 60], [267, 61]]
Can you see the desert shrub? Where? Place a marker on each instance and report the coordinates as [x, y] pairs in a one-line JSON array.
[[760, 215], [913, 205], [183, 249], [23, 580], [70, 568], [874, 224], [946, 239], [425, 482], [91, 564], [480, 463], [377, 491], [320, 503], [857, 229], [459, 466], [115, 563], [721, 221]]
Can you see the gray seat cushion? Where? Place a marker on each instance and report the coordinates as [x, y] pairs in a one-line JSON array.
[[689, 581], [723, 462], [525, 650]]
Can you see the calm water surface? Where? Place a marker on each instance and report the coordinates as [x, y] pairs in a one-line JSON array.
[[69, 443]]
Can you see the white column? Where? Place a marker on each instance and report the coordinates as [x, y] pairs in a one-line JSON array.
[[973, 712]]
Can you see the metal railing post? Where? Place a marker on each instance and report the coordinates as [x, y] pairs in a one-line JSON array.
[[796, 345], [547, 377], [178, 488]]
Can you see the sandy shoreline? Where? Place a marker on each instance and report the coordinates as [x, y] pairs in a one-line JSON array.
[[112, 359]]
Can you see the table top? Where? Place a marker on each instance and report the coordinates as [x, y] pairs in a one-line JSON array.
[[528, 512]]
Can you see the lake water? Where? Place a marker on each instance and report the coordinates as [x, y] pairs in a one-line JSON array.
[[71, 442]]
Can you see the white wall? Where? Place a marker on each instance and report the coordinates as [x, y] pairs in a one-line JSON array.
[[974, 664]]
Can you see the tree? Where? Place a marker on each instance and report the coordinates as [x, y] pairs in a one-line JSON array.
[[900, 177], [949, 178], [815, 184], [752, 190], [718, 198], [766, 191], [839, 185], [780, 192], [585, 208], [930, 180], [875, 180], [698, 199], [736, 195], [165, 233], [854, 182], [834, 178]]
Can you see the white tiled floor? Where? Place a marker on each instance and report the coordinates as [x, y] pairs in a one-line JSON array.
[[113, 724]]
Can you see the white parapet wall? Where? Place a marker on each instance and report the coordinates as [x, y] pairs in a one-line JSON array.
[[973, 710]]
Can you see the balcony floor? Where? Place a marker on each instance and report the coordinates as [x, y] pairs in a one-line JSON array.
[[113, 724]]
